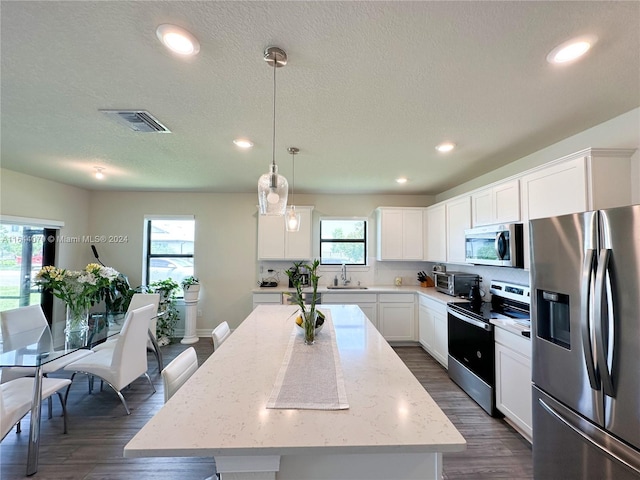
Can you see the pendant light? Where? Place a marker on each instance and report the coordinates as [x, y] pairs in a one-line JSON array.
[[292, 218], [272, 187]]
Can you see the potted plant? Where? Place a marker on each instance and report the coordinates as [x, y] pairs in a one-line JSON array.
[[310, 319], [79, 290], [191, 288], [117, 297], [167, 312]]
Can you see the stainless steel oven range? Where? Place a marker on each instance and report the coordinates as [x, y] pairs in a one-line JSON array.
[[471, 343]]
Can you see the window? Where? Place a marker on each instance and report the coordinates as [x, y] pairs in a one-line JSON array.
[[23, 252], [169, 248], [343, 241]]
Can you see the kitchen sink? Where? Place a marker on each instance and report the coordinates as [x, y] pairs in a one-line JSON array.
[[346, 287]]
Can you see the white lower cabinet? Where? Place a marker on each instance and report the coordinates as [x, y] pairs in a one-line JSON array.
[[368, 303], [396, 316], [513, 380], [270, 298], [432, 328]]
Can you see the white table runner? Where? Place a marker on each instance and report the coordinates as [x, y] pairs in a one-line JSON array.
[[311, 375]]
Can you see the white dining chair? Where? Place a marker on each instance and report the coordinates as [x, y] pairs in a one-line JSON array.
[[23, 319], [16, 397], [220, 334], [140, 300], [178, 371], [121, 365]]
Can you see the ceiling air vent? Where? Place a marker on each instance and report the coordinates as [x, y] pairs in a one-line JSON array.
[[137, 120]]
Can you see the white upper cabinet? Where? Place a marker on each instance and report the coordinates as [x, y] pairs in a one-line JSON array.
[[435, 226], [458, 220], [275, 243], [400, 233], [590, 179], [555, 190], [496, 204]]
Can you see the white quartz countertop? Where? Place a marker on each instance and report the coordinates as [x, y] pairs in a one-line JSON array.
[[512, 326], [427, 292], [221, 409]]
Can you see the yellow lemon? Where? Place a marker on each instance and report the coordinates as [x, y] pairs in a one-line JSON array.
[[299, 320]]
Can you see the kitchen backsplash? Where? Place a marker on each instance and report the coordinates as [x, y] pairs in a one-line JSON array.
[[385, 273], [513, 275]]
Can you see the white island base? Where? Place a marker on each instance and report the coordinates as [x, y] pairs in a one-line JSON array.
[[398, 466], [392, 429]]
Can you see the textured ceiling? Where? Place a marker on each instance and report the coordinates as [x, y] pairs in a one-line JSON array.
[[370, 89]]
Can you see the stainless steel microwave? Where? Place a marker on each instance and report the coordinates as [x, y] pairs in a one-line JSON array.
[[498, 245]]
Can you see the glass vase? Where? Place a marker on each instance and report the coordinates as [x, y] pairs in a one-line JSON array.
[[309, 327], [77, 327]]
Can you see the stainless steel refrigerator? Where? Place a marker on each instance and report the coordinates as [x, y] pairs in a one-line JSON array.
[[585, 310]]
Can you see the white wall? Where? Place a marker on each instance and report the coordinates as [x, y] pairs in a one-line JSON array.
[[226, 224], [26, 196], [225, 243], [622, 131]]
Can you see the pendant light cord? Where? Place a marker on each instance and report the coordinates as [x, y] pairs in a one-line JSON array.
[[273, 153], [293, 175]]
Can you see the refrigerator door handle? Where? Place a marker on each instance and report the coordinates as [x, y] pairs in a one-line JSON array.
[[602, 293], [596, 437], [586, 322]]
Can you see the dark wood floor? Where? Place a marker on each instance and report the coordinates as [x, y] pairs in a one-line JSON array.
[[494, 449], [99, 429]]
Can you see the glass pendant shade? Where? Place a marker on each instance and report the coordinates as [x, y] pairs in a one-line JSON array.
[[292, 219], [272, 192]]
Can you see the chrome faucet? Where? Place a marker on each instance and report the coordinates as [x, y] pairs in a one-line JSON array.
[[343, 275]]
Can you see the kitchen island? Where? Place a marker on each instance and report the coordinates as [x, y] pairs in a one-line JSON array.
[[392, 428]]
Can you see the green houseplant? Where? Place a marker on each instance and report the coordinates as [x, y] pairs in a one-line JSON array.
[[117, 297], [79, 290], [191, 288], [311, 318], [167, 312]]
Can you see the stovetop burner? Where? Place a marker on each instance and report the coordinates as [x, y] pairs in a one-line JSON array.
[[483, 312], [508, 300]]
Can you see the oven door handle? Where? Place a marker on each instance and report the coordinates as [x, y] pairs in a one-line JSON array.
[[472, 321]]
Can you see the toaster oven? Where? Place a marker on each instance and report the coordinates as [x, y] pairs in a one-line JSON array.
[[456, 284]]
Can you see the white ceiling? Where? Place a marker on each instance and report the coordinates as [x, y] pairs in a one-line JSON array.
[[370, 89]]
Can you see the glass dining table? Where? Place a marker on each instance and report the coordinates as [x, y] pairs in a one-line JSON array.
[[34, 349]]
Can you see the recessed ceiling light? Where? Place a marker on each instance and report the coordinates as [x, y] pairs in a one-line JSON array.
[[572, 49], [401, 180], [99, 175], [445, 147], [243, 143], [178, 40]]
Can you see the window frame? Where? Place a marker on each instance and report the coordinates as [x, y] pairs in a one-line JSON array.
[[50, 231], [364, 241], [148, 256]]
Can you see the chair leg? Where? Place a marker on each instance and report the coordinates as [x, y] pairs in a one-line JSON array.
[[64, 410], [50, 404], [124, 402], [156, 353], [150, 383], [66, 395]]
